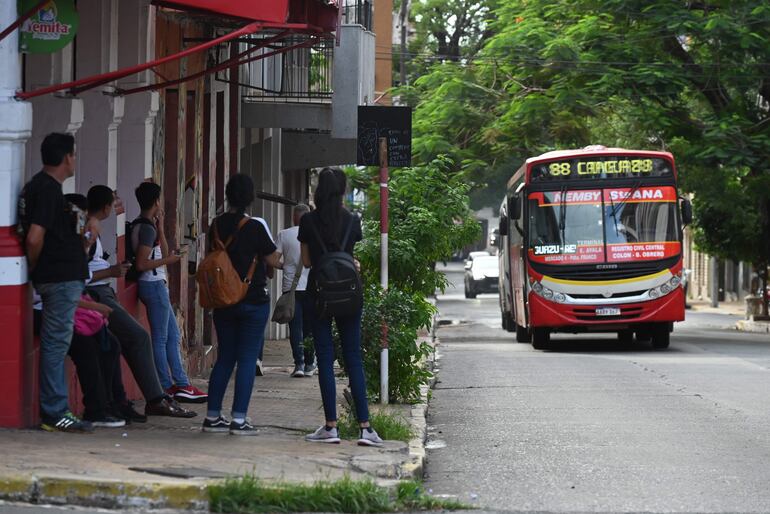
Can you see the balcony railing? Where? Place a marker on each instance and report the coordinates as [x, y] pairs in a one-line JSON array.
[[358, 12], [299, 75]]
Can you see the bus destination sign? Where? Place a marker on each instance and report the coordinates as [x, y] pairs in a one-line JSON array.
[[601, 168]]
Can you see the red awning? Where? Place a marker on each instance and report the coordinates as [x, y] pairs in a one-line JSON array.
[[275, 11], [318, 13]]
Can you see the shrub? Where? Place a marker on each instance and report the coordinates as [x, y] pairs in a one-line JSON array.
[[405, 314]]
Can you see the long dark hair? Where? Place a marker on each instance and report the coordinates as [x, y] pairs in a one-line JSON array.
[[328, 203], [239, 192]]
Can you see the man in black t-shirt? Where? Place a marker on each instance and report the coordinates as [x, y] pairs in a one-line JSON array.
[[56, 255]]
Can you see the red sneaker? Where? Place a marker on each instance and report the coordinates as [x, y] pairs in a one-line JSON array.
[[188, 394]]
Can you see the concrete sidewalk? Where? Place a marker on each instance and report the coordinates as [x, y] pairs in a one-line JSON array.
[[737, 308], [734, 308], [169, 462]]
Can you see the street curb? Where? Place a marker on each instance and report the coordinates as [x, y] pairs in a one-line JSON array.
[[104, 493], [418, 416], [418, 420]]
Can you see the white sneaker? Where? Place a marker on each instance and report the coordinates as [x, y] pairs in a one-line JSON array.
[[322, 435], [310, 370], [260, 371], [369, 438], [298, 371]]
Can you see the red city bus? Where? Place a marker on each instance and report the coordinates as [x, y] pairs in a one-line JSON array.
[[591, 241]]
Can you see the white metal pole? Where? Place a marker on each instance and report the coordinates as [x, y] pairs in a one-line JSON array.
[[384, 387]]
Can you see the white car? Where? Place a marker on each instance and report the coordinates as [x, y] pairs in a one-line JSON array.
[[482, 275], [472, 256]]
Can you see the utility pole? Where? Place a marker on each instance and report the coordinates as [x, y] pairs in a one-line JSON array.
[[403, 18]]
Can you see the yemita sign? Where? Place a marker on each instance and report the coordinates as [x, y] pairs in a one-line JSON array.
[[51, 28]]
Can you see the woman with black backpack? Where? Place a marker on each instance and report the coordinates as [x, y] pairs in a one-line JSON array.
[[240, 326], [328, 236]]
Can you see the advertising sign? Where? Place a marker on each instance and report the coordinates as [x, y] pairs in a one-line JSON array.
[[51, 28]]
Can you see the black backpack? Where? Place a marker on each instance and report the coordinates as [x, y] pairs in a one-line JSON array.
[[338, 290], [132, 274]]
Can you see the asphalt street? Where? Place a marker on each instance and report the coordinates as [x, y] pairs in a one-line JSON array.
[[591, 425]]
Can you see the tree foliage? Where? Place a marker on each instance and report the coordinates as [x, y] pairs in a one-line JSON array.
[[445, 30], [692, 78], [429, 220]]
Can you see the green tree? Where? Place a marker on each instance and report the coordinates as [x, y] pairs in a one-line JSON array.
[[689, 77], [443, 30], [429, 219]]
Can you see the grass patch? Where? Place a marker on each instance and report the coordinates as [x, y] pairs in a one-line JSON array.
[[249, 495], [390, 427]]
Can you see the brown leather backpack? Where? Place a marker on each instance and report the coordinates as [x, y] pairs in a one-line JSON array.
[[219, 284]]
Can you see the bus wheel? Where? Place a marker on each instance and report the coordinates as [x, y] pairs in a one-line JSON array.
[[541, 337], [626, 336], [522, 334], [661, 337]]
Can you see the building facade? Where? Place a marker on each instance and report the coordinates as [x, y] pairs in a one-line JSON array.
[[215, 88]]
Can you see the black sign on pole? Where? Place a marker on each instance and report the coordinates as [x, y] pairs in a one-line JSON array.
[[393, 123]]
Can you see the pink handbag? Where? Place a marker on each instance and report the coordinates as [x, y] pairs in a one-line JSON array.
[[88, 322]]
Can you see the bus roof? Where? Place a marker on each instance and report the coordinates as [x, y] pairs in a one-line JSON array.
[[593, 150]]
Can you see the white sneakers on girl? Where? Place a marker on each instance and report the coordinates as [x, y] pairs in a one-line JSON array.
[[324, 435], [369, 438]]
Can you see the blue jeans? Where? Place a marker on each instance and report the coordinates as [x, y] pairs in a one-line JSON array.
[[240, 337], [60, 299], [349, 328], [299, 328], [165, 333]]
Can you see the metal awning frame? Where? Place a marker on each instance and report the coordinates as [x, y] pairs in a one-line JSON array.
[[286, 29], [240, 59]]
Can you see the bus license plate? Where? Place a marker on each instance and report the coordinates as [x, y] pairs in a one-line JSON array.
[[608, 311]]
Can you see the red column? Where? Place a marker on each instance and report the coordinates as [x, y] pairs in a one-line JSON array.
[[18, 355]]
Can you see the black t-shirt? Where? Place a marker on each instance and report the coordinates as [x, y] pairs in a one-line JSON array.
[[254, 239], [310, 232], [63, 257]]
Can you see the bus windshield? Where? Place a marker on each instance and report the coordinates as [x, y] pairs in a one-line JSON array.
[[588, 226]]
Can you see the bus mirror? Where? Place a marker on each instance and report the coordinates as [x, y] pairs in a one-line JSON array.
[[686, 211], [514, 207], [503, 230]]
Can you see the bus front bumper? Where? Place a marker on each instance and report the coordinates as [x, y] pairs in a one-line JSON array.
[[587, 318]]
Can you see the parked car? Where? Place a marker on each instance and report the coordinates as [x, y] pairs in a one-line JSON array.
[[481, 276]]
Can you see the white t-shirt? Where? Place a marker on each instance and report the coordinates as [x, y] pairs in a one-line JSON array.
[[289, 246], [98, 263]]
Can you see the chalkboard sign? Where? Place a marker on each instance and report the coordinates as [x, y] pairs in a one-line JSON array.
[[393, 123]]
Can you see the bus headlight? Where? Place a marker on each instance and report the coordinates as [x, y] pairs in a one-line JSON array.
[[675, 281], [665, 289], [654, 293], [546, 293]]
